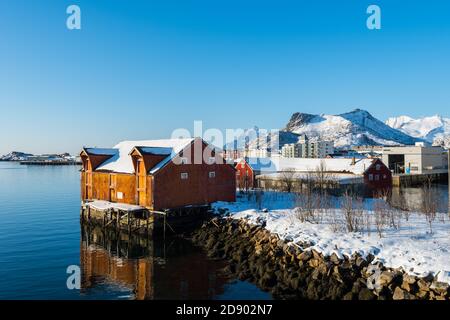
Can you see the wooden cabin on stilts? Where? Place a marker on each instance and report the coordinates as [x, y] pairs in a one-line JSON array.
[[146, 186]]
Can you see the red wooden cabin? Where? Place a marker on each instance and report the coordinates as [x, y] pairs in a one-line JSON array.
[[245, 175], [157, 174], [378, 175]]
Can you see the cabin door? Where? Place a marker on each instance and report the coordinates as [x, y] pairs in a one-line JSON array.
[[141, 183], [88, 185], [112, 187]]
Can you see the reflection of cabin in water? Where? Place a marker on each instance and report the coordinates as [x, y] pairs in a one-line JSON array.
[[147, 268], [157, 175]]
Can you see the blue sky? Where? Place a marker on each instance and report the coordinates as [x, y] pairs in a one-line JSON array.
[[140, 69]]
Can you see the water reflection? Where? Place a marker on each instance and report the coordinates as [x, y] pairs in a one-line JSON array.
[[148, 269], [412, 198]]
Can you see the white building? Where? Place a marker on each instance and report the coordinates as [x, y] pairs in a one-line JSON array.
[[418, 159], [306, 149], [257, 153]]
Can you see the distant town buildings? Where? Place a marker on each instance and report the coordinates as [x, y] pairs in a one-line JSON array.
[[307, 149]]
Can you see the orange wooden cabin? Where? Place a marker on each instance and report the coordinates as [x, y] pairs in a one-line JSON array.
[[157, 174]]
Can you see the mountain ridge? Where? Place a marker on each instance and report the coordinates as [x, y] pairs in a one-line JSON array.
[[357, 127], [433, 129]]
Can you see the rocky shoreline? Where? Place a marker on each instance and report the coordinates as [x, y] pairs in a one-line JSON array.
[[291, 271]]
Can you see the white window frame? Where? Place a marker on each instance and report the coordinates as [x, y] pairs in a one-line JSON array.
[[184, 176], [212, 174]]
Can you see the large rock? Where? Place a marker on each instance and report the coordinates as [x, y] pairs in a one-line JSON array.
[[305, 255], [386, 277], [439, 287], [334, 258], [400, 294], [366, 294]]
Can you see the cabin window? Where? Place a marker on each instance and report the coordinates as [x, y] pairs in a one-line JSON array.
[[212, 160], [378, 167], [384, 177], [370, 177], [212, 174], [184, 175], [377, 177], [119, 195]]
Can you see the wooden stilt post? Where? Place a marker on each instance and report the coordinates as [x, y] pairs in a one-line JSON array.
[[129, 222], [165, 214]]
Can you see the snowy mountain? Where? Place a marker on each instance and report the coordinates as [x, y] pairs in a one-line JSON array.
[[15, 156], [354, 128], [434, 129], [357, 127]]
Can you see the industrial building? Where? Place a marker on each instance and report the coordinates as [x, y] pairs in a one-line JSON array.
[[417, 159]]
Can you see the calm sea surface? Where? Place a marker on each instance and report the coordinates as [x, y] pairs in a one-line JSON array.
[[40, 236]]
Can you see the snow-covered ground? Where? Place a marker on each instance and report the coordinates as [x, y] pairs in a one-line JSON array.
[[411, 246]]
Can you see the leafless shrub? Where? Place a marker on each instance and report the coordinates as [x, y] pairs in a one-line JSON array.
[[429, 203], [322, 177], [380, 208], [353, 212], [367, 221], [335, 220], [306, 207], [406, 214], [287, 179]]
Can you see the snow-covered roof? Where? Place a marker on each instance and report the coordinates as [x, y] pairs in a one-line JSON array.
[[156, 150], [122, 162], [101, 151], [278, 164], [340, 178]]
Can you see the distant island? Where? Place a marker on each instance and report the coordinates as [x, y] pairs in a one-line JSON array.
[[42, 159]]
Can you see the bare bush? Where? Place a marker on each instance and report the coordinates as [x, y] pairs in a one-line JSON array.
[[287, 178], [335, 220], [429, 203], [367, 220], [380, 208], [353, 214], [306, 206], [322, 177]]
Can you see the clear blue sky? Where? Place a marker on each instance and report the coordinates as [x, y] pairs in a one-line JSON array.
[[139, 69]]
